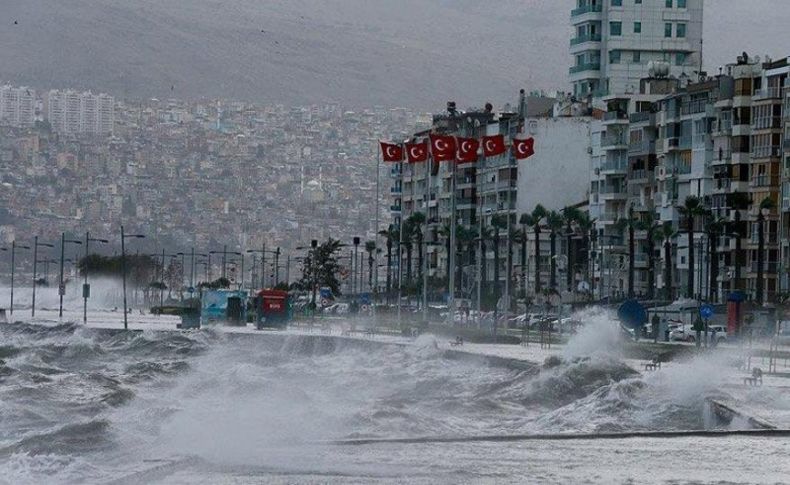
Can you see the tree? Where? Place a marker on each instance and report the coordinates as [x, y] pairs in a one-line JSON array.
[[586, 227], [572, 215], [766, 205], [407, 235], [690, 210], [415, 223], [370, 248], [629, 224], [555, 222], [714, 227], [498, 222], [392, 236], [535, 219], [651, 225], [739, 201], [320, 267], [666, 233], [524, 220]]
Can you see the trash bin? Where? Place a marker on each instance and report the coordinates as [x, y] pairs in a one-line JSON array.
[[235, 311]]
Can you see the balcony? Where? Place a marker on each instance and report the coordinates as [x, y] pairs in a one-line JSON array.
[[767, 123], [585, 38], [395, 208], [587, 66], [614, 167], [641, 147], [584, 9], [615, 116], [768, 93], [642, 117], [764, 181], [613, 195], [614, 143], [769, 267], [637, 176], [767, 152], [395, 190]]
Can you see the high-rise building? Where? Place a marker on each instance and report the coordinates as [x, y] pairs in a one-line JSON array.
[[615, 41], [80, 113], [17, 106]]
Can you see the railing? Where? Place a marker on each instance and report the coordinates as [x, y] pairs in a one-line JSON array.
[[587, 66], [642, 116], [586, 38], [766, 152], [770, 92], [685, 142], [640, 175], [613, 141], [694, 107], [723, 184], [395, 190], [395, 208], [615, 115], [614, 166], [642, 147], [767, 123], [585, 9]]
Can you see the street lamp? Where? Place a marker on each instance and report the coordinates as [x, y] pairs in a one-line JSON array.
[[14, 247], [263, 251], [124, 237], [36, 245], [86, 289], [61, 286]]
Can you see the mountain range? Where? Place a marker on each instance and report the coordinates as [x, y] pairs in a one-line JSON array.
[[414, 53]]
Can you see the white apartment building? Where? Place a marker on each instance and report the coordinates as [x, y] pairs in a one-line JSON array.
[[71, 112], [615, 41], [17, 106]]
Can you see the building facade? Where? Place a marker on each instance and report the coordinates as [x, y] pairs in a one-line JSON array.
[[17, 106], [72, 112], [616, 41]]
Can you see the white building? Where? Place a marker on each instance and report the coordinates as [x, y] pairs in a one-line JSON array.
[[80, 113], [17, 106], [615, 40]]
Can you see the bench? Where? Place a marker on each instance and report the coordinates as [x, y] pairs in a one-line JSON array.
[[757, 376], [458, 342], [654, 364]]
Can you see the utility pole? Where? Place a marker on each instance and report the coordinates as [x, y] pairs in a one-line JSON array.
[[86, 289]]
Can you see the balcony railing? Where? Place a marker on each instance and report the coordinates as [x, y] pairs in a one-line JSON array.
[[586, 38], [587, 66], [614, 166], [770, 92], [395, 190], [585, 9], [642, 116], [615, 115], [767, 123], [642, 147], [613, 141], [766, 152]]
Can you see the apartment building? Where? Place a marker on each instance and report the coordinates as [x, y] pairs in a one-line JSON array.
[[17, 106], [72, 112], [615, 41]]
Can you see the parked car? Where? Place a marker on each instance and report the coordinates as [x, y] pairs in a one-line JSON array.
[[686, 333]]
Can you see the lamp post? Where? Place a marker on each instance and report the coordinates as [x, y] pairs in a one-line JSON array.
[[355, 268], [36, 245], [263, 251], [124, 237], [61, 285], [86, 289], [761, 253], [14, 247]]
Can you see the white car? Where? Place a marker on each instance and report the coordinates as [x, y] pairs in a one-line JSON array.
[[686, 333]]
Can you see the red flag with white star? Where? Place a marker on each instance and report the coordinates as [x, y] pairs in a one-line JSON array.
[[494, 145], [417, 152], [467, 149], [391, 152], [443, 148], [523, 149]]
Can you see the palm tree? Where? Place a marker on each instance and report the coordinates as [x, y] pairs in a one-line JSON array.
[[739, 201], [554, 221], [714, 227], [666, 233], [630, 224], [690, 210], [535, 219], [370, 248], [407, 236], [416, 221], [498, 222], [444, 231], [650, 224], [572, 215], [586, 227], [525, 221], [484, 237], [392, 236], [766, 205]]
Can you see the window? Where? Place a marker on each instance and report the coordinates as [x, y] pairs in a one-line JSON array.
[[638, 2], [681, 3], [617, 3], [680, 59], [615, 28], [637, 57], [681, 31], [614, 57], [637, 27], [669, 3], [667, 30]]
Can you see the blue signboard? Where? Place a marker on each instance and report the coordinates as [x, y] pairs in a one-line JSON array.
[[706, 311], [632, 314]]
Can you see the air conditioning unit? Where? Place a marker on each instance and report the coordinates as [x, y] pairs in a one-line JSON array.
[[589, 150]]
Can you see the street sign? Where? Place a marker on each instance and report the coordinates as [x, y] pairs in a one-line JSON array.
[[632, 314], [706, 311], [86, 290], [62, 289], [191, 290]]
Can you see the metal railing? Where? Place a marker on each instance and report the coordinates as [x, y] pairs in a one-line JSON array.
[[586, 9], [587, 66], [615, 115], [586, 38]]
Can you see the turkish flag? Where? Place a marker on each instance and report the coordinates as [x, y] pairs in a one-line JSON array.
[[467, 149], [494, 145], [417, 152], [443, 147], [391, 152], [523, 149]]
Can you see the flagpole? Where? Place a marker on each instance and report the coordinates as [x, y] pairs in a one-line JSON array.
[[451, 302], [400, 248], [481, 253], [509, 257], [424, 242], [376, 229]]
